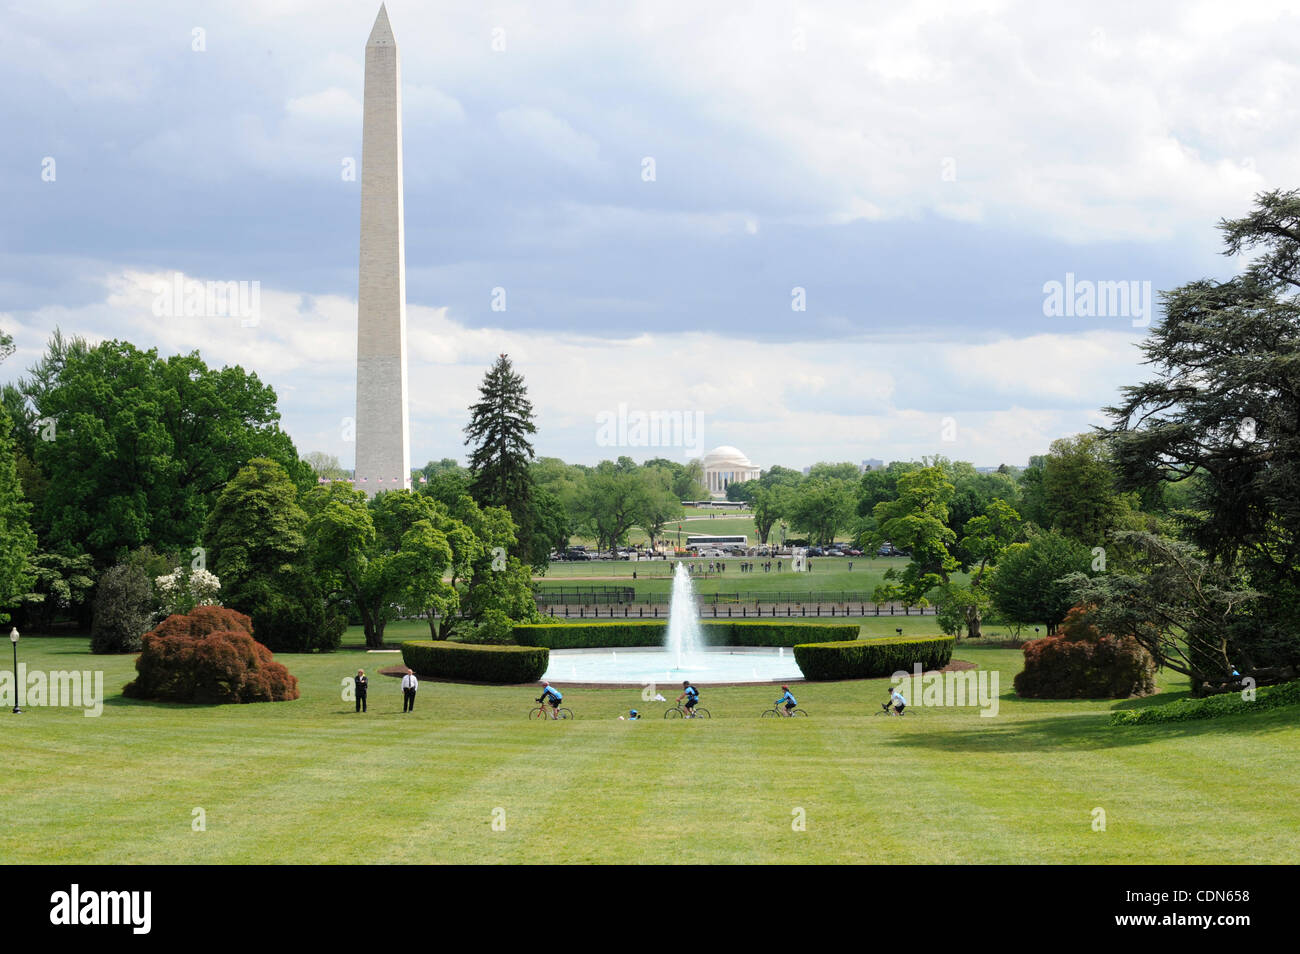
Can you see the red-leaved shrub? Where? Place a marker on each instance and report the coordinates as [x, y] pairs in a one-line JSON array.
[[208, 655], [1080, 663]]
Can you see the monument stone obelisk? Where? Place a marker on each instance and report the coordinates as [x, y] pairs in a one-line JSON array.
[[382, 426]]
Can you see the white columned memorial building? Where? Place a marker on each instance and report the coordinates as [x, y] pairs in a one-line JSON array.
[[724, 466]]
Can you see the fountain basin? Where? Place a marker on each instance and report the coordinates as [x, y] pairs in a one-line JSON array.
[[639, 666]]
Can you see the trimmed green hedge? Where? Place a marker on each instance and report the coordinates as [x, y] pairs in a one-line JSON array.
[[507, 665], [754, 633], [1184, 710], [590, 635], [651, 633], [870, 658]]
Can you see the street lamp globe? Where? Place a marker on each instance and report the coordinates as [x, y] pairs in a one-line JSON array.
[[13, 638]]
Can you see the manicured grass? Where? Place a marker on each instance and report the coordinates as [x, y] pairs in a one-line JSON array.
[[695, 521], [655, 576], [310, 781]]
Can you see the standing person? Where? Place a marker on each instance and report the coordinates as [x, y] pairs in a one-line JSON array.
[[361, 683], [409, 685]]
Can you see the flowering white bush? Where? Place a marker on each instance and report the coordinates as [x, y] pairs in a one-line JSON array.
[[180, 592]]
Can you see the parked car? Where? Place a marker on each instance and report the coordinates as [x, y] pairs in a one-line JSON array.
[[815, 551]]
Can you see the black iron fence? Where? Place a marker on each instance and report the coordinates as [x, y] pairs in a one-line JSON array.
[[603, 596], [585, 595], [728, 611]]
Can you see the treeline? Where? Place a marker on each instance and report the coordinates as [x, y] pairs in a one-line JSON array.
[[134, 486]]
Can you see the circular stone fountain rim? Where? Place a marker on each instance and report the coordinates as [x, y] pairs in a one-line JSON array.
[[560, 679]]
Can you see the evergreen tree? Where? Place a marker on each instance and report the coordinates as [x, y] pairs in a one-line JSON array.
[[1222, 412], [499, 427], [17, 542]]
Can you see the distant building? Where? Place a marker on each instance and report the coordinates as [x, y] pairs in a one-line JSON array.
[[724, 466]]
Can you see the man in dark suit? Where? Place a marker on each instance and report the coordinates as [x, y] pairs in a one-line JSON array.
[[361, 683], [409, 685]]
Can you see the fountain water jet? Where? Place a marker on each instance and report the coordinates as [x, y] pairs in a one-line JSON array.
[[683, 641], [683, 647]]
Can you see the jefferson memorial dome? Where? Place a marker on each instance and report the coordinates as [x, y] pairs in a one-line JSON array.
[[724, 466]]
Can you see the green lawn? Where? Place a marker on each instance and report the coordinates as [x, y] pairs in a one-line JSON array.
[[695, 521], [655, 576], [310, 781]]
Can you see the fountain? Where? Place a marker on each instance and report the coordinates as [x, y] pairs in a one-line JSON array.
[[684, 642], [683, 655]]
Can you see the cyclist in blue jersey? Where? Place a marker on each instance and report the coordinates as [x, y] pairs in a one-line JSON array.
[[788, 700], [553, 696], [692, 697]]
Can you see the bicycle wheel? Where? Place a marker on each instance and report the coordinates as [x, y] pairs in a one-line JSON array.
[[673, 714], [566, 713], [701, 713], [537, 713], [800, 712], [768, 712]]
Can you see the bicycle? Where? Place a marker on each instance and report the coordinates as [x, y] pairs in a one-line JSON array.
[[541, 712], [677, 712], [887, 709], [776, 712]]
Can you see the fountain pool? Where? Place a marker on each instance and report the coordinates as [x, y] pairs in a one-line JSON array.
[[683, 655], [650, 665]]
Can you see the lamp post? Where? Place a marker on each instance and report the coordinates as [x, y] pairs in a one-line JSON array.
[[13, 638]]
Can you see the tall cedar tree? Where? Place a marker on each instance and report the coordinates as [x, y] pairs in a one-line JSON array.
[[1223, 406], [499, 466]]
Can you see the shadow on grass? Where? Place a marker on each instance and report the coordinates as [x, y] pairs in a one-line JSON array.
[[1085, 731], [1146, 702], [124, 702]]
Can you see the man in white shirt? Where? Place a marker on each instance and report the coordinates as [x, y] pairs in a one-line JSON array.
[[899, 703], [409, 685]]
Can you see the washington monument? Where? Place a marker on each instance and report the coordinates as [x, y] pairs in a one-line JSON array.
[[382, 428]]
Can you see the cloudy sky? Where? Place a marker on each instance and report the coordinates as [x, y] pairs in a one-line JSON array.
[[655, 188]]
